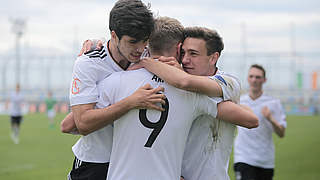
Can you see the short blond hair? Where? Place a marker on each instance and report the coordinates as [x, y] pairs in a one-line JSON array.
[[167, 33]]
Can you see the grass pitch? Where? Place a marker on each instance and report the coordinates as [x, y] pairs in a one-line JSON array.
[[45, 153]]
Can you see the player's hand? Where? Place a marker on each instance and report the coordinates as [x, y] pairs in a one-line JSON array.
[[147, 97], [90, 45], [170, 61], [266, 112]]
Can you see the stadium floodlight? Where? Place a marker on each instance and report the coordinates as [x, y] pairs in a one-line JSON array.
[[18, 28]]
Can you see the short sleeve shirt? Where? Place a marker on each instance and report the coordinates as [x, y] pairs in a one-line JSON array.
[[255, 146]]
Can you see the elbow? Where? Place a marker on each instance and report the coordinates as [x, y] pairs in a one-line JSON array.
[[64, 128], [253, 123]]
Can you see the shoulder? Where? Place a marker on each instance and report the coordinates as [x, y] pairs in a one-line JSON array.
[[99, 54], [269, 99], [227, 78]]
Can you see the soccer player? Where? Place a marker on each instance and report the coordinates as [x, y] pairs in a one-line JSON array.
[[51, 113], [16, 100], [254, 148], [149, 144], [210, 141], [130, 24]]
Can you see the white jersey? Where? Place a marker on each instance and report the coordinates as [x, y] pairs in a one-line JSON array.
[[148, 144], [89, 70], [16, 100], [255, 146], [210, 140]]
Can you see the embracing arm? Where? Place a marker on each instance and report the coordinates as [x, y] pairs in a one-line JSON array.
[[236, 114], [68, 125], [182, 80], [88, 120]]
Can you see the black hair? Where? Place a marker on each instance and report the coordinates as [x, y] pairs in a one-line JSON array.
[[213, 40], [259, 67], [131, 18]]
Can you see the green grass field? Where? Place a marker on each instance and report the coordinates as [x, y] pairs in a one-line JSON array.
[[45, 153]]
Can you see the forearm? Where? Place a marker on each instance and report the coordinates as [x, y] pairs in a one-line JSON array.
[[182, 80], [235, 114], [95, 119], [279, 129], [68, 125]]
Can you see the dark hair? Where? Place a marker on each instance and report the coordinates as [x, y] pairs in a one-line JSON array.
[[213, 40], [259, 67], [167, 33], [131, 18]]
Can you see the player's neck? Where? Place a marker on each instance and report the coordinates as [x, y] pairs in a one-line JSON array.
[[212, 72], [255, 94], [117, 57]]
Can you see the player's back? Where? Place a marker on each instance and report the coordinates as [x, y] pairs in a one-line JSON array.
[[149, 144]]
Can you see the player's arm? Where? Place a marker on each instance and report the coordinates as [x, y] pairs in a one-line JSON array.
[[88, 120], [236, 114], [278, 128], [68, 125], [180, 79]]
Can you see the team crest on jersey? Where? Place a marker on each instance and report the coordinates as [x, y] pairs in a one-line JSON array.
[[75, 86]]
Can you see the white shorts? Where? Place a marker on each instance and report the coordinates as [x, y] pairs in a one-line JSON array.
[[51, 113]]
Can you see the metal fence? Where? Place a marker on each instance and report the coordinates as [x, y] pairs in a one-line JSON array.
[[294, 78]]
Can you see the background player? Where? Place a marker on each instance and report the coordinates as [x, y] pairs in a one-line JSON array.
[[254, 148], [16, 101], [51, 113]]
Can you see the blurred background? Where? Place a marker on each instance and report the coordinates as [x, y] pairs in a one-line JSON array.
[[40, 40]]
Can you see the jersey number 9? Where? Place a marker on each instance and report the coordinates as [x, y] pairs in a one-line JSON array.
[[156, 126]]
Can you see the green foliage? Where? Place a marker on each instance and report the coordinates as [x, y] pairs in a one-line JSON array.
[[45, 152]]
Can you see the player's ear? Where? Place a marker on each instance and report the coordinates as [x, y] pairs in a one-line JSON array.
[[113, 35], [179, 46], [214, 58]]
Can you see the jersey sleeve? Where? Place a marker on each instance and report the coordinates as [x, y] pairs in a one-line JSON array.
[[279, 114], [104, 99], [83, 89], [230, 86]]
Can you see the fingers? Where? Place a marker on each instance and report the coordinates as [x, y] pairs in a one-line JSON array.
[[167, 59], [146, 86], [83, 47], [158, 89], [157, 101], [88, 46], [155, 107], [81, 51], [99, 45]]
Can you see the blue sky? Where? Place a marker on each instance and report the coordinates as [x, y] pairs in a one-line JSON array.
[[59, 26]]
